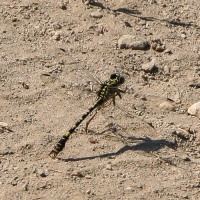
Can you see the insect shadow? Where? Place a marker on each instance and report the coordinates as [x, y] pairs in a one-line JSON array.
[[127, 11], [116, 11], [172, 22], [136, 13], [146, 144]]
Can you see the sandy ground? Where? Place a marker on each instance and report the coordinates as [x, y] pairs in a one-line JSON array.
[[143, 148]]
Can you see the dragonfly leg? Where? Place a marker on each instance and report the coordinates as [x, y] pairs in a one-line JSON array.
[[113, 100], [87, 123], [122, 91], [118, 94]]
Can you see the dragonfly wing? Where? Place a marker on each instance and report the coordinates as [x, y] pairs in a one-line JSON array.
[[89, 82]]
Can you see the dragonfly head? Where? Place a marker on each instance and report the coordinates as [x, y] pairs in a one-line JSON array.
[[120, 79]]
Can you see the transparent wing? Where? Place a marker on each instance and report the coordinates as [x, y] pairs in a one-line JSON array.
[[89, 82]]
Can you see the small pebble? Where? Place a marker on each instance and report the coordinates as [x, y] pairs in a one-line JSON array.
[[157, 45], [3, 124], [77, 173], [166, 106], [182, 134], [109, 167], [175, 68], [14, 19], [185, 158], [160, 48], [131, 42], [149, 67], [57, 26], [130, 189], [88, 191], [169, 51], [14, 183], [41, 185], [25, 86], [57, 35], [183, 36], [41, 173], [166, 69], [193, 109], [62, 5], [25, 186], [96, 14], [88, 177]]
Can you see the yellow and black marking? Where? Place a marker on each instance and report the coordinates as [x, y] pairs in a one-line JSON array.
[[107, 91]]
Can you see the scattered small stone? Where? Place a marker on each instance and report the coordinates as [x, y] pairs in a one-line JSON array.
[[130, 189], [181, 133], [143, 97], [77, 173], [5, 165], [88, 177], [183, 36], [96, 33], [57, 35], [149, 67], [157, 45], [3, 124], [88, 191], [166, 106], [63, 5], [26, 86], [109, 167], [153, 46], [96, 14], [14, 183], [47, 78], [124, 176], [185, 158], [169, 51], [41, 185], [160, 48], [193, 109], [131, 42], [177, 98], [57, 26], [14, 19], [166, 69], [127, 24], [41, 173], [175, 68], [25, 186]]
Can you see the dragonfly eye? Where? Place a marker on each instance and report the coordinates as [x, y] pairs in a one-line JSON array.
[[121, 79], [113, 76], [118, 77]]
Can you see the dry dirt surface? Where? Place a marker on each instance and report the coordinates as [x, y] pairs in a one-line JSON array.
[[147, 146]]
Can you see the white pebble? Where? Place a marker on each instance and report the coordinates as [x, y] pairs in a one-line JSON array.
[[193, 109]]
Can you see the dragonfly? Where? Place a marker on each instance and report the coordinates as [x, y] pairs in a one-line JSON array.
[[108, 91], [138, 115]]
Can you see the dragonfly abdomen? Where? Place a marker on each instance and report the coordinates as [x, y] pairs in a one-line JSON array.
[[61, 143], [108, 90]]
